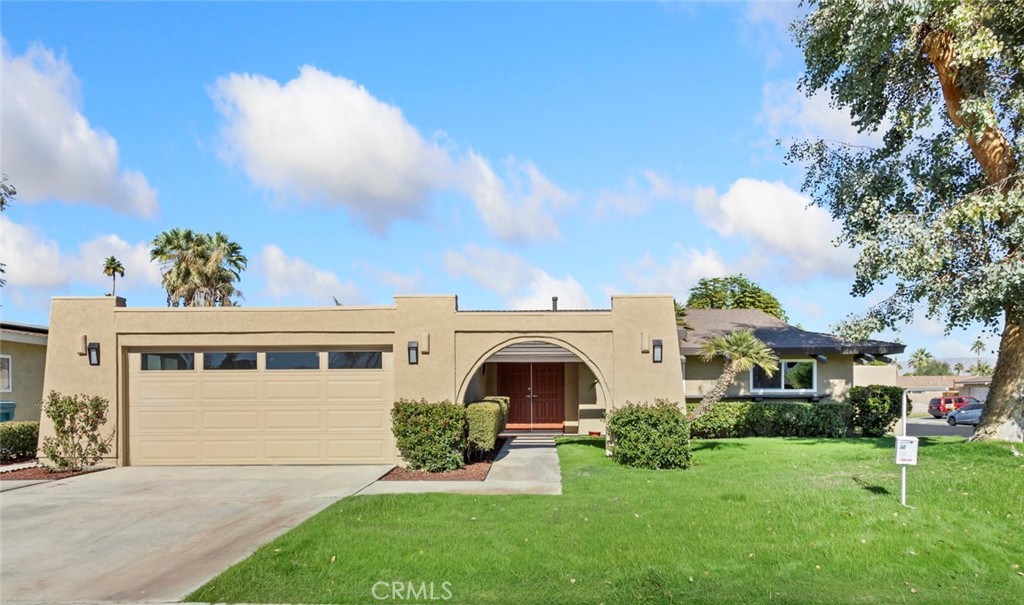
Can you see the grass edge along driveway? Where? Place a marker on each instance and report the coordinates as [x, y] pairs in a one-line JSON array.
[[754, 521]]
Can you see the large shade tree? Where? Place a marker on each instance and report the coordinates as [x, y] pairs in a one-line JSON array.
[[198, 269], [733, 292], [936, 208]]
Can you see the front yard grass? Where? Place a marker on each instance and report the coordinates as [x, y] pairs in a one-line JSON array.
[[754, 521]]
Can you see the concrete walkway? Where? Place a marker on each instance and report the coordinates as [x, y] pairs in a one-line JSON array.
[[527, 464]]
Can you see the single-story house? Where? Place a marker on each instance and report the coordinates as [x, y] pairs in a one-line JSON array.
[[973, 386], [250, 385], [922, 389], [22, 364]]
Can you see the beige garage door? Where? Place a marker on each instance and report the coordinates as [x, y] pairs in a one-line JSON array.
[[260, 407]]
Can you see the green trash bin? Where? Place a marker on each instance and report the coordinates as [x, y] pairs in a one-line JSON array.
[[7, 411]]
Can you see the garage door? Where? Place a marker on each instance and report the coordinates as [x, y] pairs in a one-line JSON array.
[[260, 407]]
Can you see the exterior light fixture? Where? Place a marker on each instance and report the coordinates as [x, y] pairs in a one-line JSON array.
[[414, 352], [656, 351], [94, 353]]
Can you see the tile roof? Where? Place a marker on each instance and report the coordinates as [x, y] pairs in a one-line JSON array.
[[774, 332]]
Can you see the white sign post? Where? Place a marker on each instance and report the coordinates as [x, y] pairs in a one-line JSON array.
[[906, 452]]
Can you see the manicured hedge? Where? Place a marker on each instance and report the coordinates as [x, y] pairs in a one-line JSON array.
[[650, 436], [484, 422], [18, 441], [875, 408], [430, 436], [504, 403], [773, 419]]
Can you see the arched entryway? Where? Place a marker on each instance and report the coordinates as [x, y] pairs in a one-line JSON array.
[[550, 384]]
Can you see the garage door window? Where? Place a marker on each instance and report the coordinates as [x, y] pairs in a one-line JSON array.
[[229, 361], [168, 361], [355, 360], [293, 360]]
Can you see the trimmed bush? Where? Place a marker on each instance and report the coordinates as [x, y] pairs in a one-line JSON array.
[[18, 441], [76, 442], [504, 403], [875, 408], [430, 436], [483, 421], [773, 419], [650, 436]]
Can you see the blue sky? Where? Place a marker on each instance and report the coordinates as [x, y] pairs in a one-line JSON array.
[[506, 153]]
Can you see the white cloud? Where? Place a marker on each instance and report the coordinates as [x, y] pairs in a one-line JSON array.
[[786, 113], [520, 284], [287, 276], [399, 282], [325, 138], [639, 195], [778, 222], [50, 151], [37, 268], [682, 271], [765, 28]]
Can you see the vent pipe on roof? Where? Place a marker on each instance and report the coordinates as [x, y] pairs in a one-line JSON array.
[[554, 303]]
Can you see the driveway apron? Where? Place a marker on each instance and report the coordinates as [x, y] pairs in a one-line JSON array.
[[153, 534]]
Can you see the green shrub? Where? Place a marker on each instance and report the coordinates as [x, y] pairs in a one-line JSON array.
[[773, 419], [430, 436], [650, 436], [875, 408], [18, 441], [483, 421], [503, 402], [77, 420]]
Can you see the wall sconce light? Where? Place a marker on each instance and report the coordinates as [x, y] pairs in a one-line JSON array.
[[94, 353], [657, 351], [414, 352]]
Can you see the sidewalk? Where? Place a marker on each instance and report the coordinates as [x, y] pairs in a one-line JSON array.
[[527, 464]]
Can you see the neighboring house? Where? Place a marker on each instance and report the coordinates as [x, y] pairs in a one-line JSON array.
[[22, 364], [921, 389], [973, 386], [812, 365], [316, 385]]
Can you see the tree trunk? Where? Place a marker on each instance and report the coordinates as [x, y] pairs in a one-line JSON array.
[[1004, 410], [1003, 418], [717, 392]]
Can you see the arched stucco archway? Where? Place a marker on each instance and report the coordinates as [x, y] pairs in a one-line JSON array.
[[602, 386]]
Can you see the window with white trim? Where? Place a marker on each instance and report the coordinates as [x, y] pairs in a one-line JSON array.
[[5, 374], [793, 375]]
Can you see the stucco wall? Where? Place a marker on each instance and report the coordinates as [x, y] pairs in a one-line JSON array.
[[453, 345], [28, 365], [864, 375], [834, 378]]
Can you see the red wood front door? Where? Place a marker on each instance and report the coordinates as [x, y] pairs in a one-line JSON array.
[[536, 394]]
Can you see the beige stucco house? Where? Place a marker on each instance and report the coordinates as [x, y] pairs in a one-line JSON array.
[[316, 385], [22, 364]]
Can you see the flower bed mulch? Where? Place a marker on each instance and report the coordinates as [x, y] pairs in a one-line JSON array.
[[42, 473], [474, 471]]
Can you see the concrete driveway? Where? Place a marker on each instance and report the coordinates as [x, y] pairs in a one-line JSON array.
[[153, 534]]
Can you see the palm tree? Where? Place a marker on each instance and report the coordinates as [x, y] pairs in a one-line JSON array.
[[112, 268], [198, 270], [982, 368], [919, 358], [958, 367], [977, 348], [742, 352]]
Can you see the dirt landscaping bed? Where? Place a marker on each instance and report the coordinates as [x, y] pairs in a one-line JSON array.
[[474, 471], [42, 473]]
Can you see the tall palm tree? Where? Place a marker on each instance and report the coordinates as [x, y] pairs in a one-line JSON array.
[[919, 358], [742, 352], [112, 268], [958, 367], [198, 270], [977, 348]]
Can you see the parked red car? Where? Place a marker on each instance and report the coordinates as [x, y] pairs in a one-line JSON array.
[[940, 406]]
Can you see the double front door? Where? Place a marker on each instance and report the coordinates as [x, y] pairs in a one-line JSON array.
[[536, 393]]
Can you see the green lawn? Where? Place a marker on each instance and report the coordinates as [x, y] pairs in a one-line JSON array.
[[754, 521]]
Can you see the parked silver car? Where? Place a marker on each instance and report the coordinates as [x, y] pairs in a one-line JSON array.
[[969, 414]]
